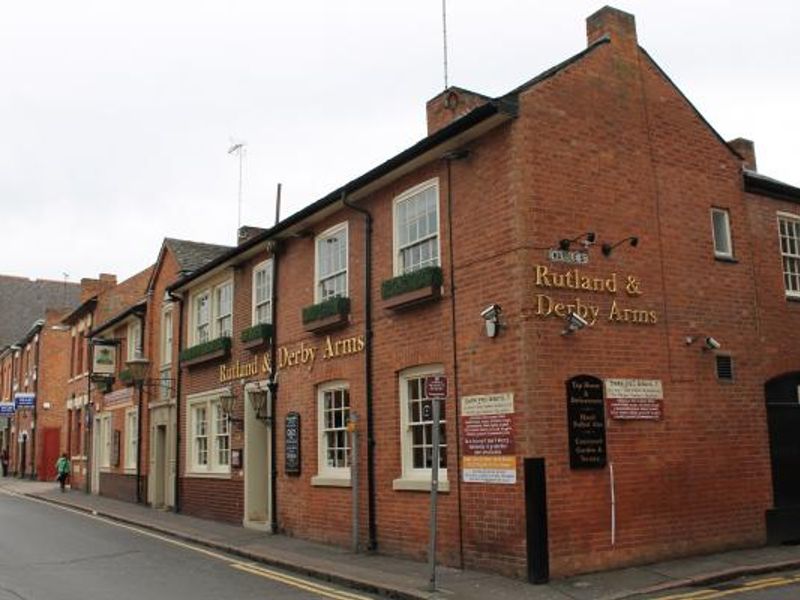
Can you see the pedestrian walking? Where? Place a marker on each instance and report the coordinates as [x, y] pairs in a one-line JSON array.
[[62, 468], [4, 461]]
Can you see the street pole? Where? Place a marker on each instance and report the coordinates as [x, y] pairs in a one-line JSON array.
[[352, 426], [434, 492]]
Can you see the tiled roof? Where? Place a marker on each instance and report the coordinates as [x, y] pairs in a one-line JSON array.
[[193, 255], [23, 301]]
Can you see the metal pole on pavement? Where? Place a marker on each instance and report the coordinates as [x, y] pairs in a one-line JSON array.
[[352, 427], [434, 492]]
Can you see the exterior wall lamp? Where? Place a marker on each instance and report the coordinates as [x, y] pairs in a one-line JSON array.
[[259, 400], [609, 248], [587, 239], [491, 319]]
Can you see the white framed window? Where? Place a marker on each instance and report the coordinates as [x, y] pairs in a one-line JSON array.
[[223, 309], [166, 337], [416, 431], [134, 341], [105, 441], [202, 317], [330, 266], [333, 416], [210, 436], [721, 231], [262, 292], [789, 235], [416, 228], [131, 437], [165, 382]]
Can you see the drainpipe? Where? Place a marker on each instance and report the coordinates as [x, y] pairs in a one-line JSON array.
[[88, 416], [372, 544], [139, 418], [35, 425], [273, 389], [176, 506]]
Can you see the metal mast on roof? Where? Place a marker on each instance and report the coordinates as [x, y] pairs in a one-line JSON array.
[[239, 148], [444, 38]]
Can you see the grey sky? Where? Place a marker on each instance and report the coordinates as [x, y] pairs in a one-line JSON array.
[[116, 116]]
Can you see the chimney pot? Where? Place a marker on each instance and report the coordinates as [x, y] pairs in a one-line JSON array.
[[617, 24]]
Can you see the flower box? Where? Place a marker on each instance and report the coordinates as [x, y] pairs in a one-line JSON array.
[[412, 289], [256, 336], [327, 315], [125, 377], [211, 350]]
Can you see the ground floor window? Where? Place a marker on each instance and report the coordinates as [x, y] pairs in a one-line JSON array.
[[334, 442], [210, 438], [131, 437]]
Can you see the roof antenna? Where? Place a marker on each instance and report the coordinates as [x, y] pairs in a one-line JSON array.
[[64, 289], [444, 39], [239, 148], [278, 205]]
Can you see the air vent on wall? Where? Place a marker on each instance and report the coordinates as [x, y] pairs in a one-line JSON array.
[[724, 367]]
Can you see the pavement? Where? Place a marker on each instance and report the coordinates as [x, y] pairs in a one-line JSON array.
[[406, 579]]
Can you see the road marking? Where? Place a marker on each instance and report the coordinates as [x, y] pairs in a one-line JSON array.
[[758, 584], [248, 567]]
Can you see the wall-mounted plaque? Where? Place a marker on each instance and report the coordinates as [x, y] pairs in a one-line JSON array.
[[586, 423], [292, 443]]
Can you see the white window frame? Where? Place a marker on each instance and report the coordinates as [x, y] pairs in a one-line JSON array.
[[415, 478], [793, 257], [213, 467], [134, 339], [265, 267], [728, 241], [327, 475], [167, 330], [218, 315], [131, 438], [214, 315], [406, 195], [339, 229], [105, 441]]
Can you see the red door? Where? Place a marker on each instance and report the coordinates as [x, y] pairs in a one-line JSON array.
[[51, 441]]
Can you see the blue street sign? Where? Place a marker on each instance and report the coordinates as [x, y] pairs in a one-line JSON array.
[[25, 400], [7, 409]]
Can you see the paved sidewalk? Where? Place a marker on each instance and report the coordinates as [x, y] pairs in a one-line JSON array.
[[405, 579]]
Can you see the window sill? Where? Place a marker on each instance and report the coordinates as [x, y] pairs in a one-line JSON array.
[[793, 298], [726, 259], [327, 481], [419, 485], [208, 475]]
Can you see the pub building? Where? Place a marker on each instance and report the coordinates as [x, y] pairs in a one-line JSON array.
[[603, 281]]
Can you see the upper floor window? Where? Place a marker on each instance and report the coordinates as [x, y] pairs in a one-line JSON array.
[[166, 337], [721, 228], [134, 339], [416, 228], [262, 292], [212, 313], [789, 233], [331, 263]]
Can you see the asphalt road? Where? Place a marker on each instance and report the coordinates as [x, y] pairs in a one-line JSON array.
[[51, 553], [775, 586]]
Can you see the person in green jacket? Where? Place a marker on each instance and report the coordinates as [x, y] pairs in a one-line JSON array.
[[62, 468]]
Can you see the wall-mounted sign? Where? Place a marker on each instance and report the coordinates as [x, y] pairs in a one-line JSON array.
[[487, 424], [24, 400], [236, 459], [572, 257], [104, 358], [436, 386], [635, 399], [292, 443], [586, 423], [7, 409], [118, 397]]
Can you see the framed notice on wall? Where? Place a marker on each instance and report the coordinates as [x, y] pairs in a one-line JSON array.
[[292, 444], [586, 423]]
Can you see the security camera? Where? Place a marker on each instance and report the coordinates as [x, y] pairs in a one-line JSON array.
[[491, 312], [712, 344], [574, 323]]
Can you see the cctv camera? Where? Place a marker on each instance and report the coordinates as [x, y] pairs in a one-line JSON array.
[[712, 344], [491, 312], [576, 321]]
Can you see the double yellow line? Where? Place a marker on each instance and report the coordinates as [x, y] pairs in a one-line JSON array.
[[758, 584], [246, 567]]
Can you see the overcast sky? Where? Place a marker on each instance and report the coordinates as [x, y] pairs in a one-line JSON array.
[[116, 117]]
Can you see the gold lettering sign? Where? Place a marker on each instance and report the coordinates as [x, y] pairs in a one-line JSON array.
[[303, 354], [575, 280]]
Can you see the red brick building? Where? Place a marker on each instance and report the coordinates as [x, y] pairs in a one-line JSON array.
[[602, 279]]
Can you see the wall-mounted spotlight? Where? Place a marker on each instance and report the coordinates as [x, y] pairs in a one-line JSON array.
[[609, 248], [709, 343], [587, 239], [491, 319], [575, 322]]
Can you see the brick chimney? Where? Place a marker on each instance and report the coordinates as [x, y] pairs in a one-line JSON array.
[[618, 25], [450, 105], [247, 232], [747, 150], [92, 287]]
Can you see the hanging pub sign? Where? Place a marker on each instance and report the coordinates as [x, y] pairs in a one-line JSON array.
[[7, 409], [586, 423], [292, 443], [24, 400], [104, 358]]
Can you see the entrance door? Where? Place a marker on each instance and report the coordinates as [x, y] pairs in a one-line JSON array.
[[51, 443], [161, 470], [783, 419], [257, 470]]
